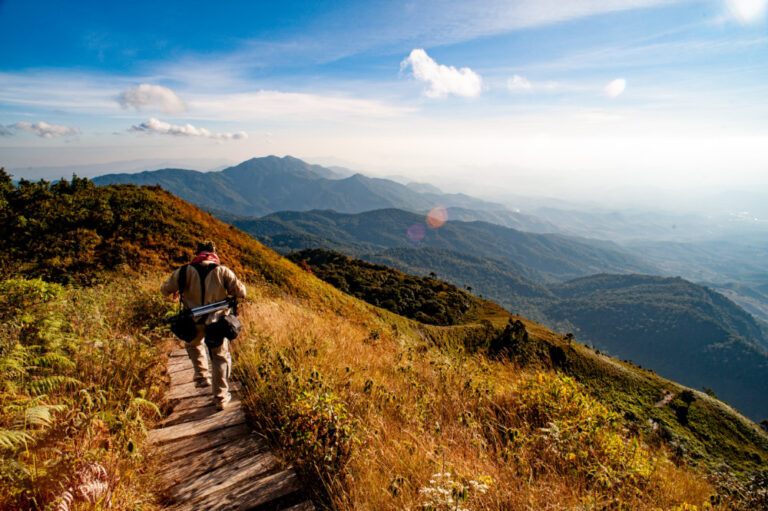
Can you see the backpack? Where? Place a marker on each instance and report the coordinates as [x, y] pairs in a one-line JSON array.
[[183, 325]]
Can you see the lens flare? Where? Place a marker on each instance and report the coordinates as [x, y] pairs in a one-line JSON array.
[[437, 217], [416, 232]]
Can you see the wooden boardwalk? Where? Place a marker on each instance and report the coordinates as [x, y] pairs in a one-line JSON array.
[[213, 461]]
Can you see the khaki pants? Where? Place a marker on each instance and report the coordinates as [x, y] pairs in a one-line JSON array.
[[218, 359]]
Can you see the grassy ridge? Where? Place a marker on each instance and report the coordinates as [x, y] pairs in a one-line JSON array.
[[382, 412], [704, 429]]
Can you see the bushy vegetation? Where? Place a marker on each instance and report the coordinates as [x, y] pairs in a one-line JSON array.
[[73, 231], [424, 299], [80, 379]]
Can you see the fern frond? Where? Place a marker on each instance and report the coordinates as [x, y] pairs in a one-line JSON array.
[[40, 416], [11, 439], [12, 470], [14, 362], [64, 501], [138, 402], [53, 360], [46, 384]]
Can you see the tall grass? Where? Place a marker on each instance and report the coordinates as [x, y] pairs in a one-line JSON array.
[[80, 372], [380, 419]]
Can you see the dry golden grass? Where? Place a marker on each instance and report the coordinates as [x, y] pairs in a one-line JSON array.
[[417, 411], [99, 349]]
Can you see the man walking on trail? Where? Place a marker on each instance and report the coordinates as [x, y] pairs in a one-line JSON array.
[[205, 275]]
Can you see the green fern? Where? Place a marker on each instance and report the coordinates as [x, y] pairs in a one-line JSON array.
[[46, 384], [54, 361], [138, 402], [12, 439]]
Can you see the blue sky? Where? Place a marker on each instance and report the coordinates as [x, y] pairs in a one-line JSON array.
[[541, 94]]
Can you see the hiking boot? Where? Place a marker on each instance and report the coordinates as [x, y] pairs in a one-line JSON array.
[[203, 382], [221, 404]]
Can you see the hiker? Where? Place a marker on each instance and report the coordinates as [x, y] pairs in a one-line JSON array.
[[218, 282]]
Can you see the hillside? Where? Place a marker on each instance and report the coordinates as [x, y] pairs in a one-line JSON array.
[[424, 299], [633, 395], [264, 185], [369, 405], [541, 257], [683, 331], [488, 278]]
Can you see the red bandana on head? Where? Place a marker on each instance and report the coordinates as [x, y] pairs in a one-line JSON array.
[[206, 256]]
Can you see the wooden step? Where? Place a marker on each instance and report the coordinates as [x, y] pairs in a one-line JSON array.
[[188, 446], [220, 420], [213, 461], [246, 495], [189, 390], [209, 466]]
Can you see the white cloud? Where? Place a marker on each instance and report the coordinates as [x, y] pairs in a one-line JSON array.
[[519, 83], [153, 125], [747, 10], [44, 130], [615, 88], [151, 97], [522, 84], [442, 80]]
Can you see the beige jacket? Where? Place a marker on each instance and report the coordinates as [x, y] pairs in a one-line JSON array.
[[219, 284]]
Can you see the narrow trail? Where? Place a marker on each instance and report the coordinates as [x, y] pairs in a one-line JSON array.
[[213, 460]]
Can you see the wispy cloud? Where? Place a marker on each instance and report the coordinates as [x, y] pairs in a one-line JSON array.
[[442, 80], [45, 130], [87, 93], [519, 83], [151, 97], [615, 88], [156, 126], [278, 105]]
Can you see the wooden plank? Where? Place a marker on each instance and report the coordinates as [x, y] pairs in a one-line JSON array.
[[184, 365], [226, 477], [193, 402], [185, 470], [246, 494], [189, 446], [219, 420], [187, 390], [202, 462], [181, 352], [198, 413], [307, 505], [183, 376], [179, 365], [189, 415]]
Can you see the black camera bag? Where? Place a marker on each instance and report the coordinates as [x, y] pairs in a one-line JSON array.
[[226, 327]]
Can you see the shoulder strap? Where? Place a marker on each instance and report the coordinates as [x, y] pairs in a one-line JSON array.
[[182, 281], [202, 271]]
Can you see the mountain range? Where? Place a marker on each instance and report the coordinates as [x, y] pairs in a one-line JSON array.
[[264, 185], [676, 327]]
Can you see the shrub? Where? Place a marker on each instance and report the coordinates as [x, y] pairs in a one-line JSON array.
[[318, 431]]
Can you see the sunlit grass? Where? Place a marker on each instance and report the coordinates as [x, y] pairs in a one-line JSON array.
[[410, 410], [82, 373]]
